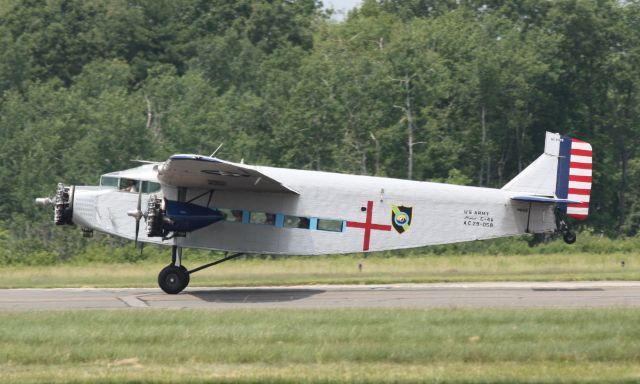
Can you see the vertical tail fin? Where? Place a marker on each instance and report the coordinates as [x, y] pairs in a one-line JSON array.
[[563, 171], [575, 176]]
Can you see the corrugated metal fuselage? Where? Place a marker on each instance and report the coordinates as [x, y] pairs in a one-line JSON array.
[[440, 213]]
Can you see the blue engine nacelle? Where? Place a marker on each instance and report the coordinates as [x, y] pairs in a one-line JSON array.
[[178, 217]]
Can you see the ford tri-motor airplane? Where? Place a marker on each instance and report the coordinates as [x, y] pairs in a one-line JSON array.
[[204, 202]]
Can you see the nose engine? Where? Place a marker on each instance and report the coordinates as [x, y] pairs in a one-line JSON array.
[[62, 204]]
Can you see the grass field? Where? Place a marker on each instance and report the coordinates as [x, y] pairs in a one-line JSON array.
[[292, 346], [338, 270]]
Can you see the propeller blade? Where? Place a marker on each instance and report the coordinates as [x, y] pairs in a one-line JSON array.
[[138, 213], [137, 230], [139, 197]]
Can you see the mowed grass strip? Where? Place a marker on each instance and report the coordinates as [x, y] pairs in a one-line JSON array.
[[457, 346], [337, 270]]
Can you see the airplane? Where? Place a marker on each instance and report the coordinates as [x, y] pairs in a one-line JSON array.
[[193, 201]]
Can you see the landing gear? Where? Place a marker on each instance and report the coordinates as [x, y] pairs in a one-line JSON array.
[[568, 235], [174, 278]]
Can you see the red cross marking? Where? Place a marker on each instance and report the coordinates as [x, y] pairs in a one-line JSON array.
[[368, 226]]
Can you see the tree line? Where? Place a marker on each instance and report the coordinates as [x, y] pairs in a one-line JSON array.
[[440, 90]]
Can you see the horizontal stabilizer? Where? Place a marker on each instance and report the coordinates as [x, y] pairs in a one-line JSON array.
[[543, 199]]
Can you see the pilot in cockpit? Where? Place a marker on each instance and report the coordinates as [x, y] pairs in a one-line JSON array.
[[129, 186]]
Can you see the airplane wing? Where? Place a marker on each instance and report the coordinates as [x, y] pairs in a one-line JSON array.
[[146, 172], [195, 171]]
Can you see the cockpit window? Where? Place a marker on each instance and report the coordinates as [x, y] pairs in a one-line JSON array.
[[109, 181], [150, 187], [129, 185]]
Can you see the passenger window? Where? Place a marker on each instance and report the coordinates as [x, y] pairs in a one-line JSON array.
[[227, 213], [233, 215], [296, 222], [330, 225], [262, 218]]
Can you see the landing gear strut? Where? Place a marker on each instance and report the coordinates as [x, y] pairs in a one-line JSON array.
[[568, 235], [174, 278]]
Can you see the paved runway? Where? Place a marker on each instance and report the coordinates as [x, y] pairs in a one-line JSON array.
[[473, 295]]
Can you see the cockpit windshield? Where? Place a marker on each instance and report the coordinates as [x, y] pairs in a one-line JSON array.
[[129, 185], [142, 178], [109, 181]]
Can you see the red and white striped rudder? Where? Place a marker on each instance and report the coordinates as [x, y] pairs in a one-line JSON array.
[[575, 174]]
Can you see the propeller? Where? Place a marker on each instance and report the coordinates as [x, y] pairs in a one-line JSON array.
[[137, 214]]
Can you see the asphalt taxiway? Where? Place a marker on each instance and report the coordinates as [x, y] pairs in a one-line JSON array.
[[447, 295]]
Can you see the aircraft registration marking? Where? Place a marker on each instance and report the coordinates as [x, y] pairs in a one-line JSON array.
[[478, 218], [368, 226]]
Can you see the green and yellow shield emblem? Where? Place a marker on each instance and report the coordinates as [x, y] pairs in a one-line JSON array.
[[401, 218]]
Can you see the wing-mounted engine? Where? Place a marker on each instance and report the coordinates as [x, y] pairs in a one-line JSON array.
[[62, 204], [155, 217], [168, 218]]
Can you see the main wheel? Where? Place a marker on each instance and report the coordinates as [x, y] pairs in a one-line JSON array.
[[569, 237], [173, 279]]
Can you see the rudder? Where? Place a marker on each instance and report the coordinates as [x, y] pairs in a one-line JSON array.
[[575, 175]]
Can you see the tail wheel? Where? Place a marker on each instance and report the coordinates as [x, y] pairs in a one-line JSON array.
[[567, 234], [569, 237], [173, 280]]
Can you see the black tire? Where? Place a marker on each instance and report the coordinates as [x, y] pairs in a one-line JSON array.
[[173, 280], [569, 237]]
